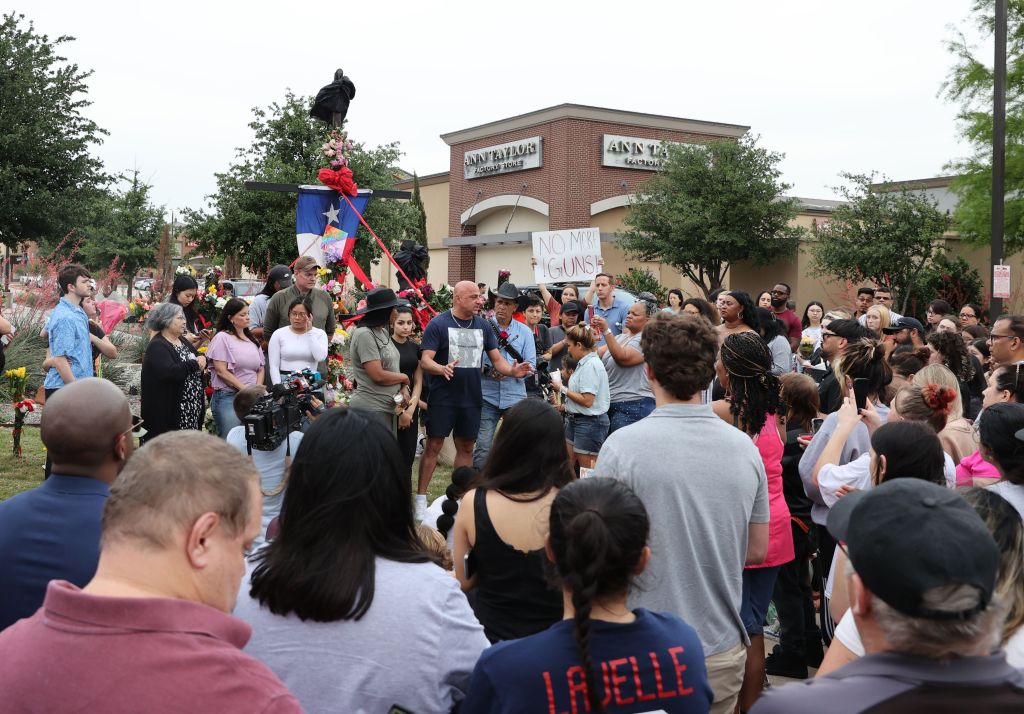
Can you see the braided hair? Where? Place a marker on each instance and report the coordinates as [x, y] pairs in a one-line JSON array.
[[464, 478], [753, 388], [598, 532]]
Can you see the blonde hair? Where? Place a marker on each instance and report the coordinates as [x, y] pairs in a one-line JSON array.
[[884, 316], [435, 544], [581, 335], [941, 375], [173, 480]]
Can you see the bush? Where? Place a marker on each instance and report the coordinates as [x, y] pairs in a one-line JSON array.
[[949, 278], [639, 280]]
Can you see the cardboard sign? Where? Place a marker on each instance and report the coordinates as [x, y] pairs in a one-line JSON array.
[[1001, 281], [567, 256]]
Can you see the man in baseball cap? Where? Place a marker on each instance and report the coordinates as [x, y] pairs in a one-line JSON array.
[[908, 331], [922, 580]]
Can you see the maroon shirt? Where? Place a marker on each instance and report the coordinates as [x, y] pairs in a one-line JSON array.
[[793, 325], [83, 652]]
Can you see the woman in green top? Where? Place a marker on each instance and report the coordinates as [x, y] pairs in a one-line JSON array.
[[381, 390]]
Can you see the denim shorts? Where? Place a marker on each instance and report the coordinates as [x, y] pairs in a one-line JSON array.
[[586, 433], [758, 586]]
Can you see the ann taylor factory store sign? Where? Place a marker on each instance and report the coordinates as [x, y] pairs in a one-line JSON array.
[[632, 152], [503, 158]]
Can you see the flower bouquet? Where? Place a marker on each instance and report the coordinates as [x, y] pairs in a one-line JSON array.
[[16, 382], [137, 311], [339, 176], [806, 347]]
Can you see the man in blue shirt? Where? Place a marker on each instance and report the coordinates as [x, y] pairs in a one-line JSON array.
[[53, 532], [68, 330], [609, 306], [515, 342]]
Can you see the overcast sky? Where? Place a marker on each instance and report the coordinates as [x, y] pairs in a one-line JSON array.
[[834, 86]]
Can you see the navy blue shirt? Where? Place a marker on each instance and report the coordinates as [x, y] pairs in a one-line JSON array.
[[468, 341], [49, 533], [653, 663]]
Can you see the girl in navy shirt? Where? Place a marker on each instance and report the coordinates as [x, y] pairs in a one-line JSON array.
[[603, 657]]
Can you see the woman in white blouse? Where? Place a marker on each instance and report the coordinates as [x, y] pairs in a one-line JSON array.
[[296, 347]]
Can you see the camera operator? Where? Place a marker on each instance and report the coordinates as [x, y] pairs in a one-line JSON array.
[[542, 341], [271, 464]]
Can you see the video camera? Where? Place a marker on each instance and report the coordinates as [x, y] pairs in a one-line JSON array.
[[278, 413]]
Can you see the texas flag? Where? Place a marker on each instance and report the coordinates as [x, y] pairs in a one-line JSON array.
[[324, 222]]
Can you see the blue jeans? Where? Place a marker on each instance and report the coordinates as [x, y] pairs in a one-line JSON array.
[[585, 432], [222, 404], [758, 586], [622, 414], [490, 415]]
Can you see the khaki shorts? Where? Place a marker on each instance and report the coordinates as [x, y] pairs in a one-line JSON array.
[[725, 676]]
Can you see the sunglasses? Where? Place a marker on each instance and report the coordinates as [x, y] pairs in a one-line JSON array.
[[136, 428]]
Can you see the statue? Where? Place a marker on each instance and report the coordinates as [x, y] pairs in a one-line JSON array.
[[331, 103]]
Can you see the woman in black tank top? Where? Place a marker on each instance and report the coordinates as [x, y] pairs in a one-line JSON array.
[[499, 542]]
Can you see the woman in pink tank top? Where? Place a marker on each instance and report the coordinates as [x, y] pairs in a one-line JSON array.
[[753, 405]]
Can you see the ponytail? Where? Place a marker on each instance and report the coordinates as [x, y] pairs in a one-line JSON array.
[[598, 532], [463, 479]]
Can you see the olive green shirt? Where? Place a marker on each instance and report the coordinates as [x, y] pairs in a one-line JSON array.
[[277, 311]]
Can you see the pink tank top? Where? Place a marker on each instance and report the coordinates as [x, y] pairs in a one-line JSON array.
[[780, 532]]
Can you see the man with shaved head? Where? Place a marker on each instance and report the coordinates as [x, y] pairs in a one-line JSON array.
[[453, 348], [152, 629], [53, 532]]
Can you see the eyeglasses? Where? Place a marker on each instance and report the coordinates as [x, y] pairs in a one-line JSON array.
[[136, 428], [778, 292], [967, 314], [993, 337], [828, 334]]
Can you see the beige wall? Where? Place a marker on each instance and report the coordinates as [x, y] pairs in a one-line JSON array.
[[435, 206], [524, 219]]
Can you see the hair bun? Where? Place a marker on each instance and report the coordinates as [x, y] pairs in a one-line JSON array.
[[937, 397]]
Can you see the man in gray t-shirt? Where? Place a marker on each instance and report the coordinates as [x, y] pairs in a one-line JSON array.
[[705, 489]]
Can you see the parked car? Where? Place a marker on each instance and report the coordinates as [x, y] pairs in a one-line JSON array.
[[144, 284]]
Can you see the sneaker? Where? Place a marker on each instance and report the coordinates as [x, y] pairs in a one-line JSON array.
[[421, 509], [784, 664]]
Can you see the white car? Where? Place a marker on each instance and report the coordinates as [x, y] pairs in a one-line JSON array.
[[144, 283]]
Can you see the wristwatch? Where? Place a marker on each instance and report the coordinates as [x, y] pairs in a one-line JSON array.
[[563, 390], [608, 331]]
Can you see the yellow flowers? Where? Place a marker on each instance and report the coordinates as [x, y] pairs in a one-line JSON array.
[[322, 272], [18, 373], [212, 289], [202, 350]]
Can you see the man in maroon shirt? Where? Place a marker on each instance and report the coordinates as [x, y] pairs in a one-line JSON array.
[[780, 300], [150, 632]]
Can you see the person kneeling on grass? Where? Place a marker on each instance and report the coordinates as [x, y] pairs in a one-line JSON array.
[[602, 656]]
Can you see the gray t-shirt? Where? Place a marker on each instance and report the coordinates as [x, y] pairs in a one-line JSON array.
[[258, 310], [626, 384], [415, 647], [369, 344], [703, 483], [270, 464], [557, 334]]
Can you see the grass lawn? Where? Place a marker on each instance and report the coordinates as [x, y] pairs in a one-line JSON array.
[[21, 474]]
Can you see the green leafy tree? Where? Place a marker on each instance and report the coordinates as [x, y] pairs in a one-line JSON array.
[[122, 224], [710, 206], [970, 84], [639, 280], [947, 277], [45, 165], [259, 226], [420, 232], [887, 234]]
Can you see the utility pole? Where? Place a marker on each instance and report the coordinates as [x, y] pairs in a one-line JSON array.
[[998, 150]]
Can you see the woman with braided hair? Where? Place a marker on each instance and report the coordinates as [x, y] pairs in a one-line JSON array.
[[753, 404], [603, 657]]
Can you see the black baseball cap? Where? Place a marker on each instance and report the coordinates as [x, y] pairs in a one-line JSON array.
[[572, 306], [907, 536], [903, 323], [280, 274]]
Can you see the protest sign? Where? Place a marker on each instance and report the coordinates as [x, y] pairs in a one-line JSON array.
[[571, 255]]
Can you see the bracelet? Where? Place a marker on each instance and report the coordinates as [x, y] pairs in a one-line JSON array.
[[608, 331]]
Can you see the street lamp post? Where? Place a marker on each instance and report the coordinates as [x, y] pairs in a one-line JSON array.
[[998, 149]]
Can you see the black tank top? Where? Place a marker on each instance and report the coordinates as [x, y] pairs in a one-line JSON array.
[[512, 596]]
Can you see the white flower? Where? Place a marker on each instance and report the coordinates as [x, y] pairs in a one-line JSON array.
[[221, 302]]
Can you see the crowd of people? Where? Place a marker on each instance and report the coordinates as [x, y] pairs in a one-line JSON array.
[[641, 492]]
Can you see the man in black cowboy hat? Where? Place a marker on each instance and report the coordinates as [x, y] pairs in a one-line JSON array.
[[454, 344], [500, 393], [374, 359]]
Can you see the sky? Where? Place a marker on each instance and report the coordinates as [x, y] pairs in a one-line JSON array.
[[836, 87]]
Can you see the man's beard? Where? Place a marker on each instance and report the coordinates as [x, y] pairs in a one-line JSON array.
[[780, 302]]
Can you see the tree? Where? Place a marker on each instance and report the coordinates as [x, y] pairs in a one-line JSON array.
[[258, 226], [45, 165], [885, 234], [124, 225], [947, 277], [970, 84], [710, 206], [420, 232]]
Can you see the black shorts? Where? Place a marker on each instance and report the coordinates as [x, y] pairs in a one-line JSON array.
[[462, 422]]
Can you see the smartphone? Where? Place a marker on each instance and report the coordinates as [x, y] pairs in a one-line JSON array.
[[860, 392], [816, 425]]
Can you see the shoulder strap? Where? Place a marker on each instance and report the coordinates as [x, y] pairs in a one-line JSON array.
[[507, 347]]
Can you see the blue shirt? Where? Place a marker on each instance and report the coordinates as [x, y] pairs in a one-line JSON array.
[[654, 663], [467, 341], [68, 330], [49, 533], [614, 315], [589, 377], [506, 392]]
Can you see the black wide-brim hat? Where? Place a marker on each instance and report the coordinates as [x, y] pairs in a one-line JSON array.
[[381, 299]]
